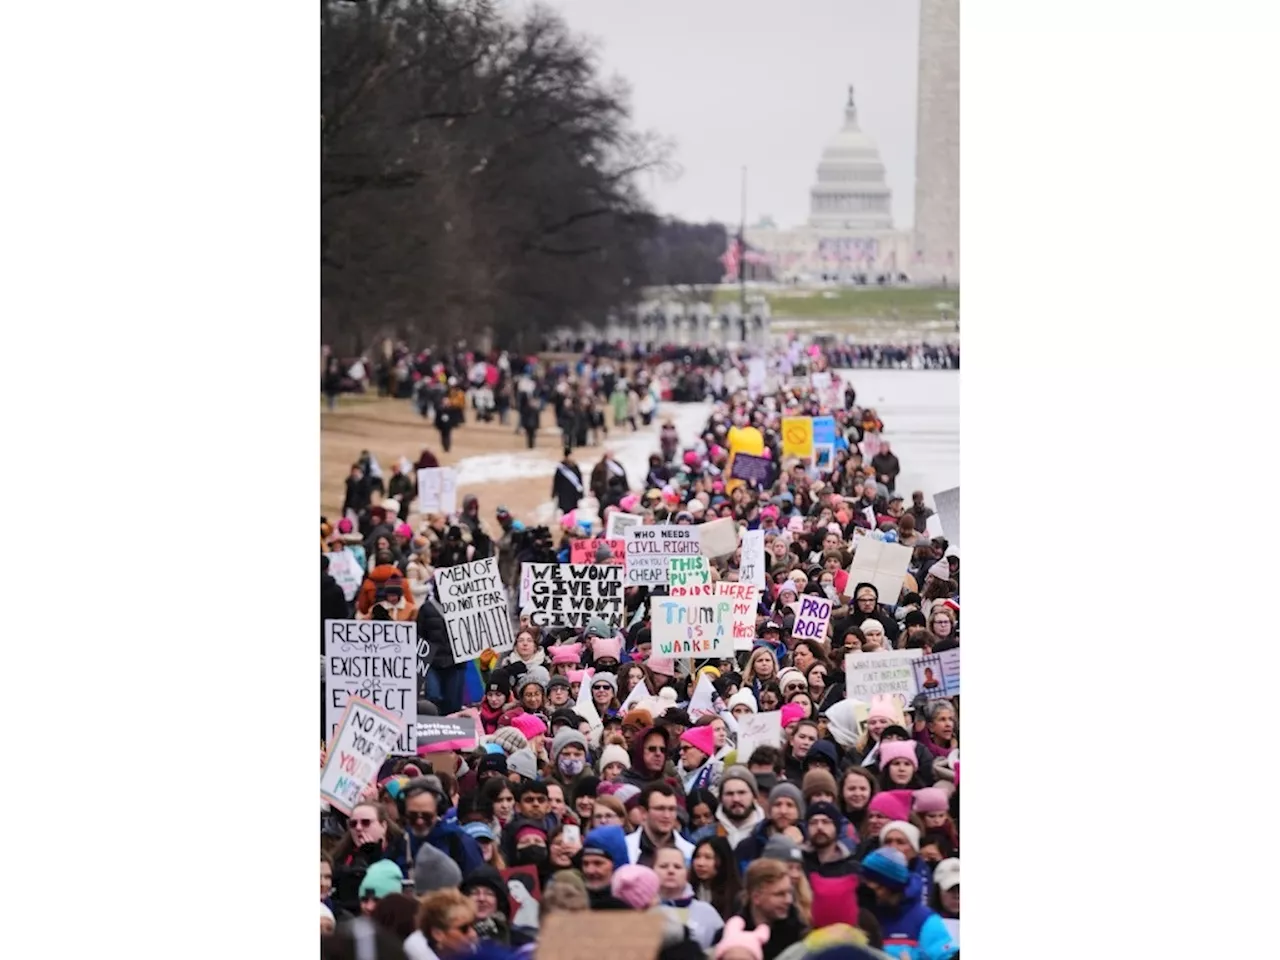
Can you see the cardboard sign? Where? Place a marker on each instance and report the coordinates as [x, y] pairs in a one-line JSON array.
[[758, 730], [744, 599], [365, 736], [752, 469], [883, 565], [751, 569], [797, 437], [696, 626], [437, 490], [443, 734], [345, 569], [374, 661], [947, 504], [883, 672], [475, 608], [824, 431], [719, 538], [811, 621], [584, 551], [649, 546], [687, 572], [591, 935], [573, 594], [938, 676], [618, 523]]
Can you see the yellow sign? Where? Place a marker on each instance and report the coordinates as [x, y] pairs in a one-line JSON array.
[[741, 440], [797, 437]]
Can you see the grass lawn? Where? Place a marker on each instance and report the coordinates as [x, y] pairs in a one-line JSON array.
[[863, 302]]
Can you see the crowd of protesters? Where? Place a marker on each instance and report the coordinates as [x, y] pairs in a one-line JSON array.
[[841, 841]]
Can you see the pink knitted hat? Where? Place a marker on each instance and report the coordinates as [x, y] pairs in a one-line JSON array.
[[898, 750], [894, 804], [931, 800], [567, 653], [529, 724], [884, 707], [701, 738], [606, 648], [736, 938], [791, 712], [578, 676], [634, 885], [663, 665]]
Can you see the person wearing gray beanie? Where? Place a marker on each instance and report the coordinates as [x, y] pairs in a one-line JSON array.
[[739, 772], [432, 870], [739, 814], [786, 790], [524, 763], [566, 736], [606, 677]]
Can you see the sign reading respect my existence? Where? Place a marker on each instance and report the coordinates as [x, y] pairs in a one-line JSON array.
[[374, 661]]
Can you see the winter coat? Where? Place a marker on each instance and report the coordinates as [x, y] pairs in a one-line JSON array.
[[634, 850], [782, 933], [433, 629], [378, 576], [564, 489], [699, 917], [912, 931], [333, 604], [835, 887]]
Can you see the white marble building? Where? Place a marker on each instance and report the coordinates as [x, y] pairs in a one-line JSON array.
[[850, 228]]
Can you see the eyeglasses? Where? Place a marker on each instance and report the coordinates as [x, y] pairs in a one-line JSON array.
[[602, 686], [655, 749], [415, 817], [793, 686], [360, 823], [463, 928]]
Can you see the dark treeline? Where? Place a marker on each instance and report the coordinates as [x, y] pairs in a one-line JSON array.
[[478, 174]]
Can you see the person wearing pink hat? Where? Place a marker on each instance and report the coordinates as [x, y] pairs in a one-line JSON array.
[[884, 807], [737, 943], [661, 671], [529, 724], [933, 806], [565, 657], [697, 768], [899, 765], [605, 652]]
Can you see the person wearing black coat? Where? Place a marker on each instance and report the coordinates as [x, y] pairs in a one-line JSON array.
[[885, 464], [445, 681], [333, 602], [567, 487], [859, 613]]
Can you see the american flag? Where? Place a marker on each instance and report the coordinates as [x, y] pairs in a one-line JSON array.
[[732, 260]]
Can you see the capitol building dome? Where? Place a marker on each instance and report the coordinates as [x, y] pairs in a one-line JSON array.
[[851, 193]]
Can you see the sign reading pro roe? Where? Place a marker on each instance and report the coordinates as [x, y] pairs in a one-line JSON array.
[[376, 661]]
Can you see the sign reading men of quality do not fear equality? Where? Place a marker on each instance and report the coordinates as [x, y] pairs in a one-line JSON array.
[[574, 594], [475, 608], [375, 661]]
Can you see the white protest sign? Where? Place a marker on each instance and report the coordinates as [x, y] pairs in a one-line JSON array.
[[703, 700], [374, 661], [758, 730], [811, 621], [751, 569], [573, 594], [743, 598], [638, 692], [948, 505], [648, 548], [933, 526], [885, 672], [618, 523], [526, 586], [437, 490], [586, 708], [690, 627], [364, 737], [883, 565], [345, 569], [475, 608], [719, 538]]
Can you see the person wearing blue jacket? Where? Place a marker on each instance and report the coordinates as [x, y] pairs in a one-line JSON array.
[[426, 811], [891, 892], [905, 837]]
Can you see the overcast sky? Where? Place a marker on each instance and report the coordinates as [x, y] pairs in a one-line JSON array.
[[761, 83]]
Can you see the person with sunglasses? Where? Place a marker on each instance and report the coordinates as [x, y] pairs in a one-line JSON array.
[[447, 922], [425, 806], [369, 839]]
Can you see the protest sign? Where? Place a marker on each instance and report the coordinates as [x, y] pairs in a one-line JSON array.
[[821, 381], [437, 490], [824, 431], [442, 734], [743, 599], [883, 672], [938, 676], [584, 551], [649, 546], [811, 621], [752, 469], [797, 437], [364, 737], [590, 935], [618, 522], [475, 608], [883, 565], [374, 661], [719, 538], [524, 893], [686, 572], [751, 569], [703, 700], [345, 569], [694, 626], [948, 505], [757, 374], [573, 594], [824, 456], [758, 730], [638, 693]]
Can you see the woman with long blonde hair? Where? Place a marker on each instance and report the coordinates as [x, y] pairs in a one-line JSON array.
[[762, 667]]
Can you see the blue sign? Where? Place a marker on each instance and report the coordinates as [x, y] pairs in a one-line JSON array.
[[824, 431]]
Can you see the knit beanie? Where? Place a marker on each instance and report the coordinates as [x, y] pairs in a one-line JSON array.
[[566, 653], [566, 736], [627, 794], [606, 648], [783, 849], [608, 841], [894, 804], [499, 682], [883, 708], [382, 878], [509, 739], [737, 936], [432, 870], [823, 809], [634, 885], [739, 772], [524, 763], [701, 738], [606, 677], [529, 724], [817, 780], [898, 750], [638, 719], [790, 791], [613, 754], [791, 712], [908, 830], [743, 697], [931, 800], [599, 628], [886, 866], [535, 674]]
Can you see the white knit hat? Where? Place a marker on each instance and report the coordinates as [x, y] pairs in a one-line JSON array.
[[941, 570], [909, 830], [744, 697], [613, 754]]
